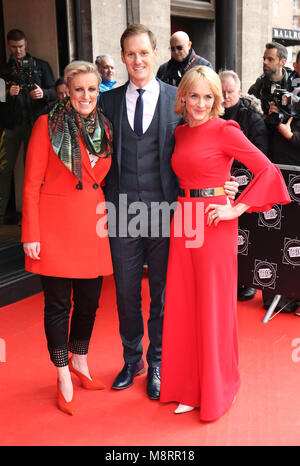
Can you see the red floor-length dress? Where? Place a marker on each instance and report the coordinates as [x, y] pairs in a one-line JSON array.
[[200, 339]]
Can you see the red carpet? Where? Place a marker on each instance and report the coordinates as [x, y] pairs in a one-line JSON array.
[[266, 411]]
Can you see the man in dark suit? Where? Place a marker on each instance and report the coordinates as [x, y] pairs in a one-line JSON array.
[[141, 173]]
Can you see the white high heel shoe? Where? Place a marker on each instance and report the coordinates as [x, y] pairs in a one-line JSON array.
[[183, 409]]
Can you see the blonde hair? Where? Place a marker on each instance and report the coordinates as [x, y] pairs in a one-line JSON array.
[[78, 66], [189, 80]]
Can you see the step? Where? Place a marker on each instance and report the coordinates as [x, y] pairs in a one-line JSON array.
[[15, 282]]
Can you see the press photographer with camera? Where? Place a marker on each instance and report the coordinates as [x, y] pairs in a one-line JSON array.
[[275, 74], [30, 86], [283, 122]]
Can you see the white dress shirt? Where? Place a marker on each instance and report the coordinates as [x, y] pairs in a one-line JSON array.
[[150, 98]]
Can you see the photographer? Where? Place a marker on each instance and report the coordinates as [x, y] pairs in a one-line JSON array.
[[283, 123], [275, 75], [29, 87], [281, 149]]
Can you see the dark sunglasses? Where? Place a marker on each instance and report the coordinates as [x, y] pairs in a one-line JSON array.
[[177, 47]]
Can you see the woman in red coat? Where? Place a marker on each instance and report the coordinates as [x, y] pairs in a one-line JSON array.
[[200, 340], [68, 157]]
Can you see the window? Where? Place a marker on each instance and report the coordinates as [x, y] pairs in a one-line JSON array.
[[295, 21]]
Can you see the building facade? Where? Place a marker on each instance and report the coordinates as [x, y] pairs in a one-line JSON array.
[[286, 26], [61, 30]]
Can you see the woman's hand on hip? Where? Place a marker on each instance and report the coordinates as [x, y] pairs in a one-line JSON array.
[[32, 250], [217, 212], [231, 188]]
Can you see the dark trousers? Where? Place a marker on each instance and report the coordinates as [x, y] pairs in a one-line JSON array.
[[58, 292], [12, 140], [129, 256]]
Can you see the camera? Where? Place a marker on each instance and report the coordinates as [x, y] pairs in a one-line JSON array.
[[288, 104], [266, 95], [23, 73]]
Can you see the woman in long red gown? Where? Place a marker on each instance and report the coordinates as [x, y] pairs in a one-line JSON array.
[[200, 339]]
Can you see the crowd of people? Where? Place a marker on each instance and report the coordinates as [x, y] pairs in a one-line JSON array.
[[169, 140]]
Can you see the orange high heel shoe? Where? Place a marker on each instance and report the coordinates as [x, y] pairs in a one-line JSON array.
[[67, 407], [85, 381]]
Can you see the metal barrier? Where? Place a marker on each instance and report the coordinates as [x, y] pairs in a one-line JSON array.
[[269, 242]]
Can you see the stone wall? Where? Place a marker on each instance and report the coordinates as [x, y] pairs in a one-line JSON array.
[[254, 30]]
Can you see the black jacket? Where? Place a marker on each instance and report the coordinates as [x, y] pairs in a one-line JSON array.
[[286, 151], [263, 88], [22, 107], [172, 71], [247, 115]]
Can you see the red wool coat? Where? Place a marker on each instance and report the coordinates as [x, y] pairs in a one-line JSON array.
[[60, 216]]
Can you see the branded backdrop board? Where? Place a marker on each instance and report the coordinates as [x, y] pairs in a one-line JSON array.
[[269, 242]]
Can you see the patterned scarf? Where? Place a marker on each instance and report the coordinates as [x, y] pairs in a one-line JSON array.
[[66, 126]]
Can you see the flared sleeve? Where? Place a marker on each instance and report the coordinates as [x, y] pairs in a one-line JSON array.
[[267, 188]]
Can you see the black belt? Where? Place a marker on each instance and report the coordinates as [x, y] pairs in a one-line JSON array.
[[206, 192]]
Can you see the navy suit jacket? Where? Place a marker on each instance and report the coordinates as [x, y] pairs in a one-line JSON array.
[[113, 103]]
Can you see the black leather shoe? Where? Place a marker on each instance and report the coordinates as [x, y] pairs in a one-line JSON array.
[[153, 383], [125, 378], [246, 293]]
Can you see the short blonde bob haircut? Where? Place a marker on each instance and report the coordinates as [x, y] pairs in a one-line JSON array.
[[189, 80], [76, 67]]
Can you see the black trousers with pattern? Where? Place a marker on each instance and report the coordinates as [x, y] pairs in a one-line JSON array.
[[62, 335]]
